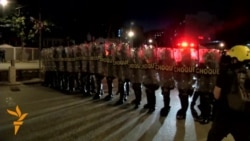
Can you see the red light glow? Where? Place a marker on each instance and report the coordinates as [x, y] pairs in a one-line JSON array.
[[184, 44], [200, 37]]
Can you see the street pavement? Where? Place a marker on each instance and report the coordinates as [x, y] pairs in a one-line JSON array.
[[55, 116]]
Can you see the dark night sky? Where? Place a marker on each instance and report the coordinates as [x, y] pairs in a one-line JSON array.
[[149, 14], [134, 9]]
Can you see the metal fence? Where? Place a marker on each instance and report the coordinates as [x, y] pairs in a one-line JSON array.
[[20, 53]]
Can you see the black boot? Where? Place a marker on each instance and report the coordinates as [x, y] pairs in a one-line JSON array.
[[127, 87], [83, 79], [205, 108], [181, 114], [192, 106], [152, 101], [122, 92], [99, 86], [138, 93], [150, 92], [147, 106], [110, 88], [166, 100], [71, 83], [88, 85], [92, 84], [46, 79]]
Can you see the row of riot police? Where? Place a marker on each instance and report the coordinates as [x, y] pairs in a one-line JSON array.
[[83, 67]]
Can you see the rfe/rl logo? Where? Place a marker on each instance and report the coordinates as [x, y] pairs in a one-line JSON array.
[[20, 119]]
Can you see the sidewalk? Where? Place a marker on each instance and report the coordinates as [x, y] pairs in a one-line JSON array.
[[31, 81]]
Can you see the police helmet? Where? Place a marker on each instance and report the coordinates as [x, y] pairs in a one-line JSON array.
[[240, 52]]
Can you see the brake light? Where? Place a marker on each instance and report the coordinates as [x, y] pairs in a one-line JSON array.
[[185, 44]]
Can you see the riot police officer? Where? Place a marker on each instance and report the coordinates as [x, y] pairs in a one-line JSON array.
[[99, 69], [45, 65], [70, 69], [184, 74], [164, 66], [206, 73], [84, 88], [110, 70], [136, 75], [57, 66], [150, 77], [65, 74], [121, 70]]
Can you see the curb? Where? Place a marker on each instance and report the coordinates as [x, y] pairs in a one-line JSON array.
[[21, 83]]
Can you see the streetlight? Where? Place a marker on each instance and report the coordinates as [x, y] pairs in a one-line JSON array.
[[222, 45], [150, 41], [3, 2], [131, 34]]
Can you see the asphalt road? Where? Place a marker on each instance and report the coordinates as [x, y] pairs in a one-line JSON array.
[[54, 116]]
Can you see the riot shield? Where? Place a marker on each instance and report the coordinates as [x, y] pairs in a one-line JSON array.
[[110, 59], [184, 71], [135, 62], [207, 69], [43, 59], [104, 60], [78, 58], [51, 67], [51, 58], [84, 57], [69, 58], [56, 57], [150, 74], [120, 61], [60, 59], [93, 58], [165, 67], [100, 52], [44, 65], [125, 57]]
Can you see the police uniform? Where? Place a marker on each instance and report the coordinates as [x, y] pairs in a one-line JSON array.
[[45, 66], [70, 68], [121, 69], [57, 66], [151, 78], [99, 70], [135, 72], [52, 67], [60, 68], [110, 70], [206, 73], [78, 64], [84, 69], [184, 74], [164, 66], [65, 76], [92, 66]]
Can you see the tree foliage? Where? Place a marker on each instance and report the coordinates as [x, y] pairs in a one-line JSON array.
[[25, 28]]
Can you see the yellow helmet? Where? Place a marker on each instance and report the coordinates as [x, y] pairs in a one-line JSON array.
[[240, 52]]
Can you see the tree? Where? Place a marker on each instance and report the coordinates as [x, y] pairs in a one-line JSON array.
[[25, 29]]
